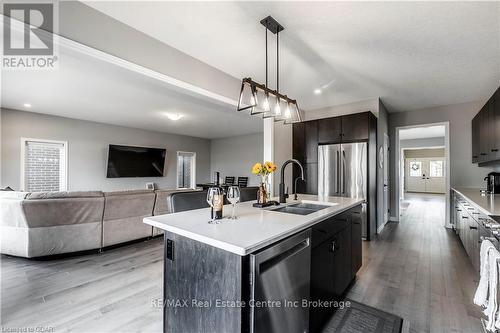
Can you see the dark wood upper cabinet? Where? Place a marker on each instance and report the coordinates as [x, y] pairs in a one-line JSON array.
[[495, 125], [486, 132], [311, 141], [299, 142], [330, 130], [355, 127], [475, 139]]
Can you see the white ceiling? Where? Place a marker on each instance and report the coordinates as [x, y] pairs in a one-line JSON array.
[[422, 132], [91, 89], [411, 54]]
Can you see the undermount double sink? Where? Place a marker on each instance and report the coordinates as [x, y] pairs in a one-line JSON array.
[[302, 208]]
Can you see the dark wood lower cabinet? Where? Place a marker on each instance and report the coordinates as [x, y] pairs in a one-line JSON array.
[[205, 274], [335, 260], [356, 242], [465, 220]]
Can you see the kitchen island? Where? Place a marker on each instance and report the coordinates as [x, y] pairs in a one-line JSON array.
[[258, 273]]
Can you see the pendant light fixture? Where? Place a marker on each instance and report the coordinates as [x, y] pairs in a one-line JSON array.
[[259, 98]]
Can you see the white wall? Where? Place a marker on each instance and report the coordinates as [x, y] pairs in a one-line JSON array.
[[235, 156], [282, 152], [87, 149]]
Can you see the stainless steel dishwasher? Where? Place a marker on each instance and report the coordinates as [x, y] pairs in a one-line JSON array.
[[280, 281]]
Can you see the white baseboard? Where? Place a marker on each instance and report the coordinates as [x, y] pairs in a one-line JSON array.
[[393, 219]]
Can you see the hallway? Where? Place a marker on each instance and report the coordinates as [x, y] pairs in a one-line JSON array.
[[418, 270]]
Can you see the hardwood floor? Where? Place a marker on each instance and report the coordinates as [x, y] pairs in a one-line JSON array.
[[115, 291], [418, 270], [415, 269]]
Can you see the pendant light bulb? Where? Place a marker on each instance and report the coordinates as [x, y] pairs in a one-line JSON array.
[[287, 112], [265, 104], [277, 108]]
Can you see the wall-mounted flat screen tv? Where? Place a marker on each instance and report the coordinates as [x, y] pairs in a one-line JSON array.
[[128, 161]]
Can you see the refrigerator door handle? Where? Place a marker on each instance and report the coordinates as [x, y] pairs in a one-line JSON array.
[[343, 171], [337, 185]]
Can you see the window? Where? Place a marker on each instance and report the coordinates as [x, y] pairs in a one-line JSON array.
[[416, 169], [43, 165], [436, 168], [186, 169]]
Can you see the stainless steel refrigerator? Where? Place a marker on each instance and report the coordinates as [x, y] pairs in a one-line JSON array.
[[343, 172]]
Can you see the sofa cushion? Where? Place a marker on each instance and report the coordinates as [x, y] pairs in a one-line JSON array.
[[63, 195], [128, 204], [127, 192], [62, 211]]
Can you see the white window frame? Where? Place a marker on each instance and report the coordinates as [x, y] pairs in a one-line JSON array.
[[193, 169], [63, 176]]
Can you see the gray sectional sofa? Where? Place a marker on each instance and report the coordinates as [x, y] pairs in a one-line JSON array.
[[47, 223]]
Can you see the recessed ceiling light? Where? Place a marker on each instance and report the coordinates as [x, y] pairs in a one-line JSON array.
[[174, 116], [27, 105], [317, 91]]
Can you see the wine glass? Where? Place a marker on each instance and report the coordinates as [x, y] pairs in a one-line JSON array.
[[213, 194], [233, 195]]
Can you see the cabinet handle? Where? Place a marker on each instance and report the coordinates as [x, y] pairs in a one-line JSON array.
[[474, 156], [459, 210], [483, 154], [473, 228], [333, 247], [465, 217], [470, 208], [494, 150]]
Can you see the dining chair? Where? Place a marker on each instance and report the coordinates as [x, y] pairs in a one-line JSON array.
[[229, 180], [242, 181]]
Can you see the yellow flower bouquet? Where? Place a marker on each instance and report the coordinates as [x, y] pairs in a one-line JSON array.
[[263, 170]]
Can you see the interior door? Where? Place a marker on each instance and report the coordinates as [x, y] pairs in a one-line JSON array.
[[386, 177]]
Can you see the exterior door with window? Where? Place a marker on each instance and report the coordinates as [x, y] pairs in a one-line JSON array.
[[435, 180], [186, 169], [415, 175], [425, 175]]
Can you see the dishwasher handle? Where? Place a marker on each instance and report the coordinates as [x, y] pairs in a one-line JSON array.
[[271, 256], [264, 266]]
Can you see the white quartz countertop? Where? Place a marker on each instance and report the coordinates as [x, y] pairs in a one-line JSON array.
[[489, 204], [254, 229]]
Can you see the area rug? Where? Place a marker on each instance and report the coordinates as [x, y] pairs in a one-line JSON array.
[[360, 318]]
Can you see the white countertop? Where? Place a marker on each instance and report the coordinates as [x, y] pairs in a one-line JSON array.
[[489, 204], [254, 229]]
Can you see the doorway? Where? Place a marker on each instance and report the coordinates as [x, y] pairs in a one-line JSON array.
[[424, 173], [422, 164]]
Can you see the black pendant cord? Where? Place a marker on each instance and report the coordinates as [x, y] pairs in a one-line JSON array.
[[266, 59], [278, 61]]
